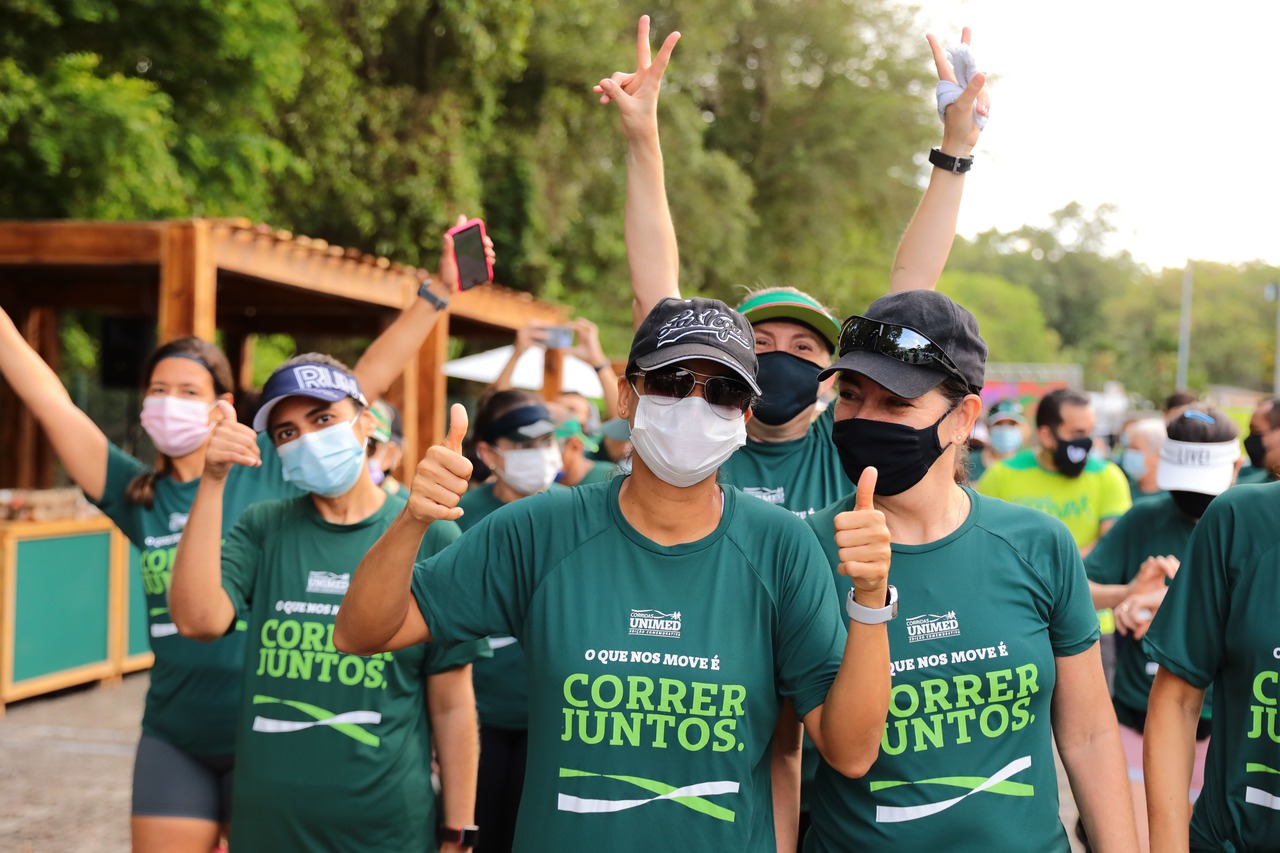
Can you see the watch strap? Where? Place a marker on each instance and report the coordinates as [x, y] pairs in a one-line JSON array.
[[436, 302], [958, 165], [464, 836], [873, 615]]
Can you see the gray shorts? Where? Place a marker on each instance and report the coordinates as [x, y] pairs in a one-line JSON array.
[[168, 782]]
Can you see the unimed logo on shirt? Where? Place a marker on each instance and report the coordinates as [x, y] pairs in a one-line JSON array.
[[655, 623], [330, 582], [768, 495], [931, 627]]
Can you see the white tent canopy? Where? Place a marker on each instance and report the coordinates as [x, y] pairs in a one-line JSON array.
[[576, 374]]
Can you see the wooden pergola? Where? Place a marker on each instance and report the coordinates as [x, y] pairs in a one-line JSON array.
[[195, 276]]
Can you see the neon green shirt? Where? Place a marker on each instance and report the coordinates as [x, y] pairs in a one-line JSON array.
[[1081, 503]]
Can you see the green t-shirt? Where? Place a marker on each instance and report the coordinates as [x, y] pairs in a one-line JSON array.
[[1249, 475], [802, 475], [600, 472], [334, 750], [1217, 626], [501, 681], [656, 673], [194, 694], [1154, 527], [967, 746], [1082, 503]]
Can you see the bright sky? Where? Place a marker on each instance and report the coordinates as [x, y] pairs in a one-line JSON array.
[[1171, 111]]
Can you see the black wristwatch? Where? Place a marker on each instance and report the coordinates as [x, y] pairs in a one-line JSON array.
[[424, 290], [958, 165], [466, 836]]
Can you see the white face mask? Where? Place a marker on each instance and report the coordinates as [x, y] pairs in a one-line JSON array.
[[684, 442], [530, 471]]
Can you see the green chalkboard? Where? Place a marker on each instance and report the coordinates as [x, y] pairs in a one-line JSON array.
[[60, 604], [137, 633]]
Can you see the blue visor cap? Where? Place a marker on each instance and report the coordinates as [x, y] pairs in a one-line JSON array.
[[306, 379]]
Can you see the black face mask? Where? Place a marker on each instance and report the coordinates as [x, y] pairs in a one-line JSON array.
[[788, 385], [1193, 504], [1253, 446], [901, 454], [1070, 457]]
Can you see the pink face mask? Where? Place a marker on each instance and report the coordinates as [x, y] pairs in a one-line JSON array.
[[177, 427]]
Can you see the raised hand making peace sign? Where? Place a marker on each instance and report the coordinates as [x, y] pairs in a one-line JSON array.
[[636, 92]]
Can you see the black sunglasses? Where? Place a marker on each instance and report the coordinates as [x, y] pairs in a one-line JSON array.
[[898, 342], [727, 397]]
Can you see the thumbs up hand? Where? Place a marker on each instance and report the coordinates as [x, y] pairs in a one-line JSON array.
[[441, 478], [862, 537], [230, 443]]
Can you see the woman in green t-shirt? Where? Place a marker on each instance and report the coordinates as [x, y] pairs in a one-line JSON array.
[[182, 771], [996, 653], [1133, 563]]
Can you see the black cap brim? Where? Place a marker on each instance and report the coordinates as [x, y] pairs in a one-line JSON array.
[[905, 380], [683, 352]]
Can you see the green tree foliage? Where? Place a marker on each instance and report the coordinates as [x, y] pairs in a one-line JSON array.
[[149, 108], [1008, 314]]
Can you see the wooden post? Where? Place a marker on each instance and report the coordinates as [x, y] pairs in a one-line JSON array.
[[27, 456], [428, 394], [188, 282], [552, 371]]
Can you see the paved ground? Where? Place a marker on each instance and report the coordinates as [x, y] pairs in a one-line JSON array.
[[66, 761]]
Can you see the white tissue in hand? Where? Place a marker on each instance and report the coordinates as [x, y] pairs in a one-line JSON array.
[[964, 65]]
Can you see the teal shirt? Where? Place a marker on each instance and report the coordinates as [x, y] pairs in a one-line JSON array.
[[967, 755], [1154, 527], [194, 694], [1217, 626], [802, 475], [501, 682], [1249, 475], [334, 750], [652, 669]]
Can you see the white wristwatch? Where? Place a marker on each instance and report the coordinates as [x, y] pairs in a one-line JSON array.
[[873, 615]]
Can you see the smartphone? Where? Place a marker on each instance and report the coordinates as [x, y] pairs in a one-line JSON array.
[[468, 251], [558, 337]]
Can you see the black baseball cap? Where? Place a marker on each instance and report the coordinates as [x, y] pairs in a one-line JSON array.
[[681, 329], [911, 342], [306, 379]]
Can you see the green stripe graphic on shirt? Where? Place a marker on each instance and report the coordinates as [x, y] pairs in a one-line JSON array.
[[892, 814], [344, 723], [690, 796]]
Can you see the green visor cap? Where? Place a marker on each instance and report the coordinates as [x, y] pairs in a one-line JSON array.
[[572, 429], [794, 307]]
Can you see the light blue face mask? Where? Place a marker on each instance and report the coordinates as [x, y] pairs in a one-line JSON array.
[[1134, 463], [1005, 439], [326, 462]]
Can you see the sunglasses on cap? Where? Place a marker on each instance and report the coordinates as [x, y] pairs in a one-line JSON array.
[[728, 397], [898, 342]]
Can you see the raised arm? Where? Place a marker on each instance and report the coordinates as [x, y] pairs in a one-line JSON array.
[[76, 439], [589, 350], [386, 357], [652, 253], [200, 607], [923, 252], [526, 339], [377, 613], [847, 728]]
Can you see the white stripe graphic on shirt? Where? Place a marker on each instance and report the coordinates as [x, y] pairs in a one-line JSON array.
[[273, 726], [163, 629], [496, 643], [588, 806], [1258, 797], [888, 814]]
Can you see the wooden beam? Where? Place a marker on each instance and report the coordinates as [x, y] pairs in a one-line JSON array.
[[432, 398], [72, 242], [188, 282], [503, 308], [552, 370]]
